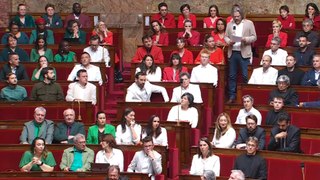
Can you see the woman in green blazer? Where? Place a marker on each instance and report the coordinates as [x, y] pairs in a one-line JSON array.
[[97, 131]]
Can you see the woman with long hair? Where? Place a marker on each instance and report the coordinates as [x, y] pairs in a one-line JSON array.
[[216, 53], [41, 30], [42, 63], [148, 66], [64, 54], [224, 134], [159, 36], [73, 31], [38, 158], [219, 32], [106, 36], [154, 130], [14, 29], [184, 53], [312, 13], [172, 73], [40, 49], [213, 16]]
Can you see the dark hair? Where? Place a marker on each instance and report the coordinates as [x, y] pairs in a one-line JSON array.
[[140, 74], [181, 39], [33, 145], [224, 24], [81, 71], [253, 117], [124, 120], [205, 40], [9, 74], [279, 98], [85, 53], [315, 7], [176, 56], [143, 67], [112, 168], [217, 10], [304, 36], [12, 54], [94, 37], [38, 60], [147, 139], [99, 112], [183, 6], [45, 70], [61, 49], [149, 128], [152, 31], [12, 23], [49, 5], [206, 140], [283, 116], [146, 36], [70, 23], [36, 43], [108, 138], [21, 4], [74, 4], [190, 98], [162, 4], [284, 7], [187, 21], [185, 74], [11, 36]]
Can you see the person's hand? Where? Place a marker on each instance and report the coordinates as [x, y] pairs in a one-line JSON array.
[[70, 137], [243, 39], [35, 160], [44, 65], [241, 146], [132, 123], [300, 104], [231, 43], [151, 154], [275, 33], [64, 142], [281, 135], [66, 169]]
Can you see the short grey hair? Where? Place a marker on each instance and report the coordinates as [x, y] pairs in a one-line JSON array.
[[307, 21], [239, 174], [77, 137], [277, 39], [40, 108], [248, 96], [283, 78], [209, 175]]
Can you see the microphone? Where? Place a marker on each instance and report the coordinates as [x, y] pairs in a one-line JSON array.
[[302, 170], [234, 28]]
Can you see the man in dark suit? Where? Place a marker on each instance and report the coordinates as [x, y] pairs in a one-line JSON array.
[[65, 131], [311, 77], [13, 66], [284, 136], [251, 130]]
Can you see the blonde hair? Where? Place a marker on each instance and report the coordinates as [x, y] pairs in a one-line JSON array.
[[219, 131], [277, 22], [96, 28]]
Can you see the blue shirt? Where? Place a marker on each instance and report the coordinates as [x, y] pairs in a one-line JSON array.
[[77, 160], [13, 93]]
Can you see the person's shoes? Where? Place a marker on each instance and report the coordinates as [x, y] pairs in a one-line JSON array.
[[230, 101]]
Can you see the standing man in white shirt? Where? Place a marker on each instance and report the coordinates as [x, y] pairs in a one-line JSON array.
[[184, 87], [266, 74], [204, 72], [82, 90], [146, 160], [247, 110], [141, 90], [278, 55], [97, 52]]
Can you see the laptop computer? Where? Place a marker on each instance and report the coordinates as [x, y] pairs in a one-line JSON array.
[[99, 167]]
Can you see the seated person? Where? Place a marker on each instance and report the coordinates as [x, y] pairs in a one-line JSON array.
[[114, 173], [82, 90], [284, 137], [64, 54], [247, 110], [284, 90], [13, 48], [128, 132], [205, 160], [109, 153], [148, 67], [64, 132], [273, 114], [148, 48], [277, 54], [38, 158], [48, 89], [294, 73], [26, 20], [312, 13], [311, 77], [186, 16], [216, 54], [105, 36], [276, 32], [213, 16], [219, 33], [154, 130], [146, 160], [184, 53], [141, 90], [251, 130], [53, 19], [236, 175], [312, 36], [42, 63], [13, 92], [251, 163], [83, 19], [184, 87], [159, 36], [41, 30], [97, 131], [224, 134], [14, 29], [204, 72], [192, 37], [185, 111], [39, 127], [172, 73], [14, 66], [74, 33], [40, 49], [77, 158], [304, 52], [97, 53], [164, 17], [94, 73], [287, 20], [266, 74]]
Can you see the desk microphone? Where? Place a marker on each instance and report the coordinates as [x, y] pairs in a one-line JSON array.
[[234, 28], [302, 170]]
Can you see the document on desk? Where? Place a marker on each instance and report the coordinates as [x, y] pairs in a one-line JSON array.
[[236, 38]]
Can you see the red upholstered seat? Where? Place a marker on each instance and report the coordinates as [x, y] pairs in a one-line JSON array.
[[305, 119], [226, 164], [284, 169]]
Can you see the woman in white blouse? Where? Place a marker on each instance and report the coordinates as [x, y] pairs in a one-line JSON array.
[[128, 132], [154, 130], [184, 111], [148, 66], [205, 160], [109, 153], [224, 134]]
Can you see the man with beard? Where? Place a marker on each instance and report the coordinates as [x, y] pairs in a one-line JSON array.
[[141, 90], [166, 19], [148, 48], [251, 130], [295, 74], [304, 52], [13, 92], [307, 26], [83, 19], [47, 90], [14, 66], [266, 74]]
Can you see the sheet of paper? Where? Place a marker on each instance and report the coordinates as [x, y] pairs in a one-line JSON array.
[[236, 38]]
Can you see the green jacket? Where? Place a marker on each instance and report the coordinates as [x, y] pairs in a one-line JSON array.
[[87, 158], [93, 133]]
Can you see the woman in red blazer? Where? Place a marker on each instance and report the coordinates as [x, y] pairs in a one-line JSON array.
[[172, 73], [186, 15], [159, 35], [185, 54], [276, 28]]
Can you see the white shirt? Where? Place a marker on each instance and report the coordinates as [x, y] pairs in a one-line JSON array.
[[94, 73], [278, 57], [84, 93], [199, 165], [135, 94], [266, 78], [115, 159], [126, 137], [96, 56], [226, 140], [204, 74], [193, 89], [190, 115], [155, 77], [241, 118], [142, 163], [237, 30], [161, 140]]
